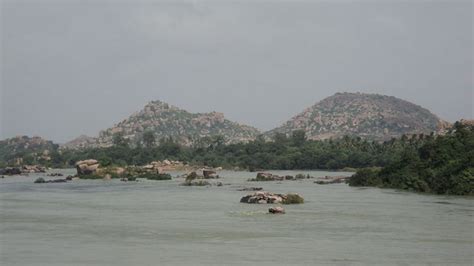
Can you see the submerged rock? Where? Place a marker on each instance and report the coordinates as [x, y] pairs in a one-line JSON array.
[[55, 174], [276, 210], [196, 182], [41, 180], [251, 189]]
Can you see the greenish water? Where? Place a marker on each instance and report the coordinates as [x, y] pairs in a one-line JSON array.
[[95, 222]]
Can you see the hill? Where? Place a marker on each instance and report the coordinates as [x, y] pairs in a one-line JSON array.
[[27, 150], [370, 116], [165, 121]]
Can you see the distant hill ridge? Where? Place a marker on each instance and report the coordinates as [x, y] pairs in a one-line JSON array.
[[166, 120], [370, 116]]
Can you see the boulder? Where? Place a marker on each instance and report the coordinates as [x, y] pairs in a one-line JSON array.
[[262, 197], [276, 210], [87, 167], [209, 174]]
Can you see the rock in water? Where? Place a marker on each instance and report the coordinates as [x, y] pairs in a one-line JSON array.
[[263, 197], [87, 167], [40, 180], [10, 171], [276, 210]]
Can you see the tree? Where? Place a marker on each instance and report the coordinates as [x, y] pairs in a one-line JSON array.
[[118, 139], [298, 138], [149, 138]]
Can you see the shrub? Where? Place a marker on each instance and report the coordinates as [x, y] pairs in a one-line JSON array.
[[293, 199], [366, 177]]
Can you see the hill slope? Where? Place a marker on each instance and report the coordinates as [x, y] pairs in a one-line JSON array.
[[164, 121], [26, 150], [370, 116]]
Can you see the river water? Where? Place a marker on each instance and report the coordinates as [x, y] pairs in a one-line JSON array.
[[96, 222]]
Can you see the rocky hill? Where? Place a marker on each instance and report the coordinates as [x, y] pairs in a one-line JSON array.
[[165, 121], [80, 142], [26, 150], [370, 116]]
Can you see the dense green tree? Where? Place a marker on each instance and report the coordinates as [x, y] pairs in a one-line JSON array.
[[149, 138]]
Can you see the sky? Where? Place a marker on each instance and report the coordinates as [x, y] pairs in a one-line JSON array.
[[76, 67]]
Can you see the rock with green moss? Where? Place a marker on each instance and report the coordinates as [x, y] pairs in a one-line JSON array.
[[292, 198]]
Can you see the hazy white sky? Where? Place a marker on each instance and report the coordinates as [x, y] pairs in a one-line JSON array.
[[76, 67]]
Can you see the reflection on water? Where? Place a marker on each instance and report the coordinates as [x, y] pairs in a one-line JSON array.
[[95, 222]]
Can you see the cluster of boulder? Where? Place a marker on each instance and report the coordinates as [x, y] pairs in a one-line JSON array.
[[332, 180], [10, 171], [31, 169], [271, 177], [87, 167], [26, 169], [91, 169], [264, 197], [200, 178]]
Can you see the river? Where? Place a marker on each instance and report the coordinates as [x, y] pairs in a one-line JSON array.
[[96, 222]]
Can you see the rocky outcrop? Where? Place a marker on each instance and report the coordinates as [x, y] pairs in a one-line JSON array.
[[263, 197], [80, 142], [87, 167], [369, 116]]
